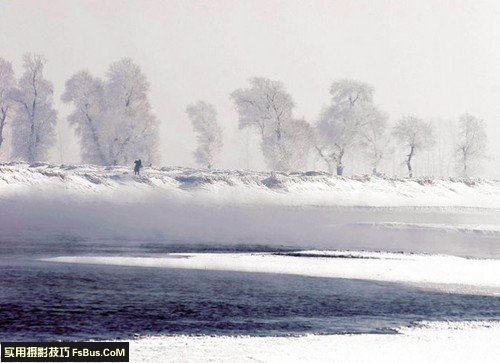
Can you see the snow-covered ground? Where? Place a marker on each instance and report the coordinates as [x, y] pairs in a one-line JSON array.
[[236, 186], [431, 342]]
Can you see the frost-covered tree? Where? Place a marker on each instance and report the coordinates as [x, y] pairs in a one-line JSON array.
[[374, 138], [113, 118], [472, 144], [208, 132], [33, 125], [339, 126], [414, 134], [267, 107], [291, 150], [131, 130], [7, 85], [87, 95]]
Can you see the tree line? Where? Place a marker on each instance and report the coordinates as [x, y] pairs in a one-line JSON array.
[[113, 119], [112, 116], [350, 123]]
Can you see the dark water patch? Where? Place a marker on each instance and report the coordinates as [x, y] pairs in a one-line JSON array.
[[47, 301], [161, 247], [70, 246]]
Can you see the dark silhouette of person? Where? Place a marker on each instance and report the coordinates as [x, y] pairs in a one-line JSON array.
[[137, 167]]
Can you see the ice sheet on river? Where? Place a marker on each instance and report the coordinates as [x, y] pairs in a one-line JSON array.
[[443, 273]]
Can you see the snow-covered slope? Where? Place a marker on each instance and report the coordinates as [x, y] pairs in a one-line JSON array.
[[233, 186]]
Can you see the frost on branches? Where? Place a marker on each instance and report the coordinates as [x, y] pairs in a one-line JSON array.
[[374, 139], [87, 95], [351, 119], [471, 148], [113, 117], [208, 133], [267, 107], [415, 135], [34, 121], [7, 86]]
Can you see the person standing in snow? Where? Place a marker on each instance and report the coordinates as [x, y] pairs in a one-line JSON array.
[[137, 167]]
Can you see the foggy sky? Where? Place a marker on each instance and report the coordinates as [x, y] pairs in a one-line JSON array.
[[425, 57]]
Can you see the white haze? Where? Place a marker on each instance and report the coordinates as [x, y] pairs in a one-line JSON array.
[[433, 59]]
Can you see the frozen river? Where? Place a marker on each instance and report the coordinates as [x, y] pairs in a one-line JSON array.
[[48, 300]]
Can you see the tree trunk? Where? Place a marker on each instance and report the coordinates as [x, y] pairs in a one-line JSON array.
[[96, 139], [375, 165], [32, 141], [465, 163], [33, 138], [3, 116], [326, 159], [408, 162], [340, 166]]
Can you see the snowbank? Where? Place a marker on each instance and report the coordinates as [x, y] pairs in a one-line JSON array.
[[432, 342], [443, 273], [234, 186]]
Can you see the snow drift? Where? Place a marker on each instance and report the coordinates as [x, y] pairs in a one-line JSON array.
[[307, 210]]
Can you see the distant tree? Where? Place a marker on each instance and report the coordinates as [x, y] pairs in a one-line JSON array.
[[267, 107], [33, 125], [7, 85], [113, 118], [209, 134], [339, 126], [291, 151], [87, 95], [415, 134], [133, 131], [472, 144], [374, 138]]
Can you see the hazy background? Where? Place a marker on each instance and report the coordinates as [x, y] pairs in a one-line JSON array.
[[434, 59]]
